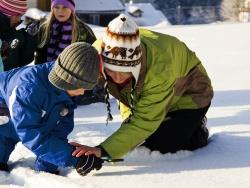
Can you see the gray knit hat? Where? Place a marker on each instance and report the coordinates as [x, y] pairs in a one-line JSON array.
[[76, 67]]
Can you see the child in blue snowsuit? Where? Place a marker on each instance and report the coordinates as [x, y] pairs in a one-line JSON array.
[[36, 108]]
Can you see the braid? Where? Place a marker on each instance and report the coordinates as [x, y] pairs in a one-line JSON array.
[[109, 116], [132, 102]]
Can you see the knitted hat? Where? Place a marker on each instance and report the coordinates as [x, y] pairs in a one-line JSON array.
[[13, 7], [67, 3], [76, 67], [121, 50]]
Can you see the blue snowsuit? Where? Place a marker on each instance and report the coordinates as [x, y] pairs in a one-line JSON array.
[[41, 117]]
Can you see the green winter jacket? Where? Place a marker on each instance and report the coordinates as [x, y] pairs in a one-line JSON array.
[[171, 78]]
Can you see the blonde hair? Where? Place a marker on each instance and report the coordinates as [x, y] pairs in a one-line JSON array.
[[45, 35]]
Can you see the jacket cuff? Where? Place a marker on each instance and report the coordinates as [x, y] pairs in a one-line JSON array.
[[104, 153]]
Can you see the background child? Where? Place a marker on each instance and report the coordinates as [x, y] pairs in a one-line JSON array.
[[62, 28]]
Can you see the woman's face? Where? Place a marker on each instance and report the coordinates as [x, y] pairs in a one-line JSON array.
[[62, 13], [118, 77]]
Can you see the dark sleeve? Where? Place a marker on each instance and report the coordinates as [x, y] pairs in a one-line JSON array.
[[40, 53], [91, 38], [87, 31], [28, 48], [13, 48]]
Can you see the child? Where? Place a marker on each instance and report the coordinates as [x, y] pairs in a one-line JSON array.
[[62, 28], [37, 108]]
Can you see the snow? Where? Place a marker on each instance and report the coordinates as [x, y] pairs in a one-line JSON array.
[[224, 163], [34, 13], [147, 11], [98, 5]]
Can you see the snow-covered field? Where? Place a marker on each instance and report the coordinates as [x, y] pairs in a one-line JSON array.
[[224, 50]]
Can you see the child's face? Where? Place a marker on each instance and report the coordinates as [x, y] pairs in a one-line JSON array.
[[14, 21], [76, 92], [62, 13]]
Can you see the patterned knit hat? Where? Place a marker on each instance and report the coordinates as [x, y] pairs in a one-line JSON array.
[[76, 67], [13, 7], [121, 49], [67, 3]]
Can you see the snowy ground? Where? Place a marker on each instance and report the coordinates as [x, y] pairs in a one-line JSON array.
[[224, 163]]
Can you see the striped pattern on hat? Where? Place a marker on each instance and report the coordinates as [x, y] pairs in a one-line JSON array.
[[121, 42], [121, 46], [13, 7]]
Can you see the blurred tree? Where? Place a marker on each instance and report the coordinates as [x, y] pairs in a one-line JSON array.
[[43, 5], [183, 11], [230, 9]]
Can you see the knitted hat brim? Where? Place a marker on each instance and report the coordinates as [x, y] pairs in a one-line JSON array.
[[60, 83], [134, 70], [69, 4]]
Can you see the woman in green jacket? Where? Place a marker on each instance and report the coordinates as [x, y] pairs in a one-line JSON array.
[[163, 91]]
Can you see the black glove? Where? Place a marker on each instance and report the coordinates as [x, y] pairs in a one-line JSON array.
[[33, 28], [87, 163], [4, 167], [4, 111]]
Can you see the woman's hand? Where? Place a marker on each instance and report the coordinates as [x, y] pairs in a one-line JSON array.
[[85, 150]]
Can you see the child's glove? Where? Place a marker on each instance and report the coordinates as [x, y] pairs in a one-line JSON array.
[[87, 163], [4, 167], [33, 28]]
